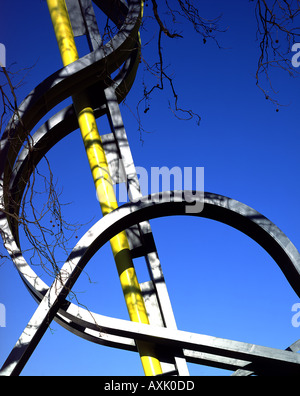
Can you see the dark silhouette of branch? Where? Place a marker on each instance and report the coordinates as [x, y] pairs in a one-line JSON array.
[[43, 224], [162, 27], [277, 30], [174, 12]]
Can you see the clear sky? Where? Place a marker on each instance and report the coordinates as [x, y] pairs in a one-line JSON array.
[[220, 282]]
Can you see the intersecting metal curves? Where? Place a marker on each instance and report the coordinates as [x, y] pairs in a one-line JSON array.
[[195, 347], [94, 71]]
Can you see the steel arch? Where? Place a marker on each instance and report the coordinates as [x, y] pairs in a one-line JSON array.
[[209, 350], [93, 73]]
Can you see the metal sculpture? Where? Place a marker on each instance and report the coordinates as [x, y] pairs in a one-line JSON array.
[[152, 330]]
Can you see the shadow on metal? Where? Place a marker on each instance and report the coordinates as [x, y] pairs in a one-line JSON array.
[[247, 358], [20, 153]]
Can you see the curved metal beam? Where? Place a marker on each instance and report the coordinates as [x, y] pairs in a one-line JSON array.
[[95, 67], [93, 72], [262, 359]]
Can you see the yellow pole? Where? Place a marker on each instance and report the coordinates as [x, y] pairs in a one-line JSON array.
[[104, 187]]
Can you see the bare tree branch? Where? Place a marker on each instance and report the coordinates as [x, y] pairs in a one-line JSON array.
[[277, 30], [40, 213], [175, 12]]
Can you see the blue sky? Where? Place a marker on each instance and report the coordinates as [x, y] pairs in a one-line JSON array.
[[220, 282]]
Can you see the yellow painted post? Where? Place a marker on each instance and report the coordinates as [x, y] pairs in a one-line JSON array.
[[103, 184]]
